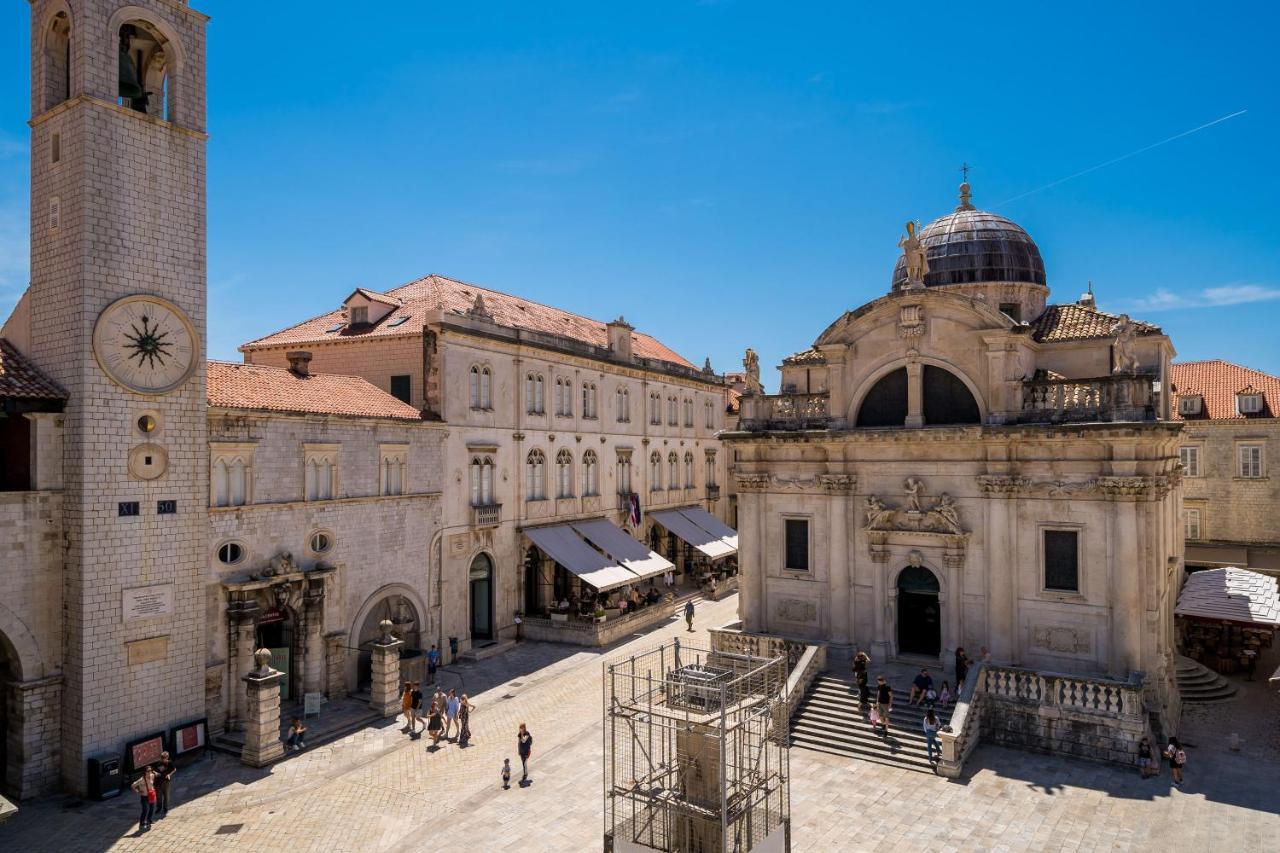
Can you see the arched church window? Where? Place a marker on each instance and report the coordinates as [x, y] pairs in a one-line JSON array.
[[947, 400], [886, 403]]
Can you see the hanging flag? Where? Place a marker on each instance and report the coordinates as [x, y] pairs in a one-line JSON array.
[[634, 515]]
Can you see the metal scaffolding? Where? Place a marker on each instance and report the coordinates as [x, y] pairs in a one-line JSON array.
[[695, 746]]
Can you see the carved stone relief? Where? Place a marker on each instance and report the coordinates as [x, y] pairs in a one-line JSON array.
[[795, 610], [942, 517], [1057, 638]]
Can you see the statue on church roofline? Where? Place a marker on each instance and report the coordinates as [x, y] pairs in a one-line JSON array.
[[914, 252], [751, 365]]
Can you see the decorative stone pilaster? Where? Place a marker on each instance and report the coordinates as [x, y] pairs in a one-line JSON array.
[[384, 691], [335, 665], [262, 713]]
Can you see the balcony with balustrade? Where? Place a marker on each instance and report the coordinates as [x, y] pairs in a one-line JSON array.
[[1120, 397], [486, 515], [784, 412]]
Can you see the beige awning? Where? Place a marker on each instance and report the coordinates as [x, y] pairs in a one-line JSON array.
[[562, 544], [711, 524], [709, 544], [1230, 595]]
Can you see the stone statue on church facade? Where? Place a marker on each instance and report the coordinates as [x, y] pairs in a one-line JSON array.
[[751, 364], [917, 261]]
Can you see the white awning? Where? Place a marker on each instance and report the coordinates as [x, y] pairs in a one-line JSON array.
[[711, 524], [713, 546], [561, 544], [615, 542], [1230, 595]]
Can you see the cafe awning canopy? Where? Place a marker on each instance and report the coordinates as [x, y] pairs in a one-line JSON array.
[[708, 543], [562, 544], [1230, 595], [614, 541], [711, 524]]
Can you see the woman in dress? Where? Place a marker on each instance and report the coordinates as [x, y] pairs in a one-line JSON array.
[[434, 724], [464, 721]]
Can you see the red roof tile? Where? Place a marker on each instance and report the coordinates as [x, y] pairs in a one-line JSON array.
[[1218, 382], [436, 291], [1074, 322], [278, 389], [809, 356], [21, 379], [733, 400]]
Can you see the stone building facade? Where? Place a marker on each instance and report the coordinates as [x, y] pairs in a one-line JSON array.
[[961, 464], [552, 417], [1230, 454]]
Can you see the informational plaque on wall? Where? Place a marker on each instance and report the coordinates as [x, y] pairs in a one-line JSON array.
[[148, 602]]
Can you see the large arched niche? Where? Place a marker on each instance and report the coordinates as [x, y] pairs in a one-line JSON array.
[[885, 405], [947, 400]]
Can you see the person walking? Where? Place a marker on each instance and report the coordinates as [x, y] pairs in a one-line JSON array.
[[434, 726], [433, 663], [406, 705], [1177, 759], [688, 613], [524, 746], [145, 787], [506, 773], [415, 707], [165, 769], [861, 661], [930, 726], [451, 706], [884, 704], [962, 668], [464, 721], [1146, 761]]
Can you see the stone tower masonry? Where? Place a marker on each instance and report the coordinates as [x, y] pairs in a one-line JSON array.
[[118, 210]]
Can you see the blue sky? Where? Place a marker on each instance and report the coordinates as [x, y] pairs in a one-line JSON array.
[[725, 174]]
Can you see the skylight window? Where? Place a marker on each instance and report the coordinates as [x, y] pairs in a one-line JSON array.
[[403, 318], [335, 327]]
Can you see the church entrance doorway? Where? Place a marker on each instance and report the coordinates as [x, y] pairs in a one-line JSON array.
[[481, 576], [919, 613], [275, 632]]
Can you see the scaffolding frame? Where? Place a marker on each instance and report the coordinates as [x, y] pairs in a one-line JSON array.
[[695, 752]]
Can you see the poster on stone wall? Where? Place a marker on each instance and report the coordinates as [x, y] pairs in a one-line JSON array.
[[189, 737]]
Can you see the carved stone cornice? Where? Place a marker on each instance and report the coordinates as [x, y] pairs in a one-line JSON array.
[[840, 484], [753, 482], [1109, 488], [1121, 488], [1001, 484]]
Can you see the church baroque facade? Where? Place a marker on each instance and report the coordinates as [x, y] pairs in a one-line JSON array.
[[961, 464]]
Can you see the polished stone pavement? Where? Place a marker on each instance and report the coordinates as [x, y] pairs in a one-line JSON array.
[[377, 790]]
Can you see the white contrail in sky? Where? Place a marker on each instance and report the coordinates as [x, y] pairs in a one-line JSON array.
[[1121, 157]]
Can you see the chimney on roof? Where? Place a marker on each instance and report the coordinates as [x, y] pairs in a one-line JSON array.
[[1086, 299], [620, 338], [299, 362]]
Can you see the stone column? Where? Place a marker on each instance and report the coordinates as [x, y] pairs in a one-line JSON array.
[[837, 487], [760, 588], [336, 665], [1126, 594], [34, 734], [313, 666], [880, 645], [1001, 575], [915, 395], [262, 743], [384, 691], [241, 621]]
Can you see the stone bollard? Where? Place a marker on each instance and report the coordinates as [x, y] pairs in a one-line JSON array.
[[262, 713], [384, 691]]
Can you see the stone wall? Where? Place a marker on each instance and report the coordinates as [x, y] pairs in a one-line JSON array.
[[1234, 509], [33, 718], [577, 632]]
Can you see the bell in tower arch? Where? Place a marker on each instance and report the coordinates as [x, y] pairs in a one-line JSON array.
[[130, 86]]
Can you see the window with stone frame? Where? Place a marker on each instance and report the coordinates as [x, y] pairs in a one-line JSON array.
[[536, 475], [673, 470], [533, 394], [564, 474], [590, 473], [589, 400], [481, 387], [710, 409], [481, 480], [1193, 523], [795, 549], [1189, 456], [711, 468], [1189, 404], [655, 471], [673, 411], [320, 471], [1062, 560], [624, 472], [688, 471], [623, 404], [231, 474], [655, 409], [688, 412], [1250, 457], [392, 464]]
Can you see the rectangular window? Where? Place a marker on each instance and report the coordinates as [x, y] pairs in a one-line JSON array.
[[796, 532], [1062, 560], [1250, 460], [55, 147], [400, 388], [1190, 458], [1192, 526], [360, 315]]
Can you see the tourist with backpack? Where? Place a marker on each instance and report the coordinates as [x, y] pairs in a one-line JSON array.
[[1177, 759]]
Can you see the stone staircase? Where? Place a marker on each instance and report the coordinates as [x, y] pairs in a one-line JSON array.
[[830, 719], [1200, 685]]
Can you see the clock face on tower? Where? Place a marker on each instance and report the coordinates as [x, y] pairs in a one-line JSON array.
[[145, 343]]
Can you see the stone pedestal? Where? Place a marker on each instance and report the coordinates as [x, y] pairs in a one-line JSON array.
[[262, 718], [384, 691]]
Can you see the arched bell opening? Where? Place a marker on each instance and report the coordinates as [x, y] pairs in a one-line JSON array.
[[57, 60], [145, 65]]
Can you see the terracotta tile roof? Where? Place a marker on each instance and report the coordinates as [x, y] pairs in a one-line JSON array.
[[1218, 382], [1074, 322], [20, 379], [809, 356], [733, 400], [436, 291], [278, 389], [375, 296]]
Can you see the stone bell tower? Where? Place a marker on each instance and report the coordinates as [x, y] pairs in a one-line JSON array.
[[117, 316]]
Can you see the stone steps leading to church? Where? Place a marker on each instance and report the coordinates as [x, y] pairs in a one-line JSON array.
[[1198, 684], [831, 719]]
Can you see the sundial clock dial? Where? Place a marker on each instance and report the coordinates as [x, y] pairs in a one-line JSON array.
[[145, 344]]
